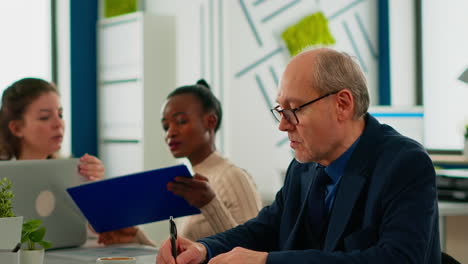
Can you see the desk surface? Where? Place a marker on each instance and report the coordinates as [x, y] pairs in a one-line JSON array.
[[88, 253]]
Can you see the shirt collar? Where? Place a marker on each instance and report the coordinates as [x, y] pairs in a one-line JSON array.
[[337, 167]]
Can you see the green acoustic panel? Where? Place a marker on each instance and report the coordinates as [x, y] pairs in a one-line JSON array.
[[119, 7], [309, 31]]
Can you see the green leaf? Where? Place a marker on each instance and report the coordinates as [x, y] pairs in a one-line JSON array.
[[45, 244], [33, 233], [37, 235], [24, 236], [32, 225]]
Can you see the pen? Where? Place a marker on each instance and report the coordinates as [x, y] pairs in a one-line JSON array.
[[16, 248], [173, 232]]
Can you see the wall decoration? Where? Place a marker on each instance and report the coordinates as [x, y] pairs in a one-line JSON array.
[[311, 30], [119, 7]]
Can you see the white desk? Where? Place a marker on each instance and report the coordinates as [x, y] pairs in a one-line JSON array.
[[88, 253], [449, 209]]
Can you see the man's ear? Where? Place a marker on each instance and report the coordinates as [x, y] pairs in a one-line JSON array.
[[345, 105], [16, 128]]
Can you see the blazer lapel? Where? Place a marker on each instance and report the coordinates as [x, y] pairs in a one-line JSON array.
[[307, 178], [348, 192], [358, 169]]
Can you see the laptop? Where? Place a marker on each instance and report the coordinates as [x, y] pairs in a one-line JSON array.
[[39, 188]]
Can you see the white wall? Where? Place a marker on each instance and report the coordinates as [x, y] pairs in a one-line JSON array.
[[187, 35], [402, 52]]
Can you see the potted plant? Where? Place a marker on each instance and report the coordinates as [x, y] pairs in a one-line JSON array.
[[32, 235], [10, 225]]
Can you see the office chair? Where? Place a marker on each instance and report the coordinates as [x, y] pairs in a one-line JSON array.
[[447, 259]]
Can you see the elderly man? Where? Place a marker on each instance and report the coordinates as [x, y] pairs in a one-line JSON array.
[[357, 191]]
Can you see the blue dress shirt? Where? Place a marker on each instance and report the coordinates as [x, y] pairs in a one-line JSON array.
[[335, 171]]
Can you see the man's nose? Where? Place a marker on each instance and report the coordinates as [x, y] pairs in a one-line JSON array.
[[285, 125]]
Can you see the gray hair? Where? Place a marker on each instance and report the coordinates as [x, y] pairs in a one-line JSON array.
[[334, 71]]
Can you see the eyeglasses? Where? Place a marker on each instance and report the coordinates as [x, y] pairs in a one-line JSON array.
[[173, 232], [290, 114]]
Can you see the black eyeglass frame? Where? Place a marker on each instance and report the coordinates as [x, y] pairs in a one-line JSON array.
[[294, 110]]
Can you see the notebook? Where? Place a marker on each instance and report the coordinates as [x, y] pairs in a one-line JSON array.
[[39, 188], [131, 200]]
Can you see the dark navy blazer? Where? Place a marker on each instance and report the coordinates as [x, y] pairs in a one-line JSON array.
[[385, 209]]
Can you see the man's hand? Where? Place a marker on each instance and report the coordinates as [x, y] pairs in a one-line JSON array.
[[91, 167], [240, 256], [196, 191], [124, 235], [188, 252]]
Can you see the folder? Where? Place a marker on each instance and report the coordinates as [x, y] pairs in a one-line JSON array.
[[131, 200]]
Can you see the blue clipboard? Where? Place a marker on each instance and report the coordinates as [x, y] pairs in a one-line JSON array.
[[131, 200]]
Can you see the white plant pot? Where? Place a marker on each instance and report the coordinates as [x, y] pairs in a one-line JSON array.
[[32, 256], [10, 230]]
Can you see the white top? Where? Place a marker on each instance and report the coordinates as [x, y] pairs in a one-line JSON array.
[[236, 200]]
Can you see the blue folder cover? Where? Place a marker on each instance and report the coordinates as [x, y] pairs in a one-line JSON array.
[[131, 199]]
